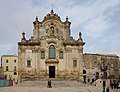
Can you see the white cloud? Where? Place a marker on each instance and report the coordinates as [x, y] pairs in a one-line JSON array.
[[95, 18], [89, 15], [97, 26]]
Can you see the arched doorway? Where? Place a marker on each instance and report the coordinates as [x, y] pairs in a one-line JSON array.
[[84, 75]]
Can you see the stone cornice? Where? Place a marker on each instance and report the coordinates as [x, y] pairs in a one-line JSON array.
[[28, 43], [73, 43]]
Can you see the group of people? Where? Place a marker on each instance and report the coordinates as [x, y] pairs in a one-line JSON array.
[[114, 84]]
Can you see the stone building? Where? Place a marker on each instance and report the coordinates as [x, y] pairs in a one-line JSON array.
[[10, 66], [1, 73], [100, 66], [52, 53]]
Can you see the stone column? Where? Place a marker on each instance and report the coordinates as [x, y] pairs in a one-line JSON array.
[[68, 61], [80, 50], [21, 62]]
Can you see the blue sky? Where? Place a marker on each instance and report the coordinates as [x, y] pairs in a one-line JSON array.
[[98, 20]]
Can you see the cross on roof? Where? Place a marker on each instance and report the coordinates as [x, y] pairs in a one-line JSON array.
[[52, 6]]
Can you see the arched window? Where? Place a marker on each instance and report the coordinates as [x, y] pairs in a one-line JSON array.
[[28, 63], [52, 52]]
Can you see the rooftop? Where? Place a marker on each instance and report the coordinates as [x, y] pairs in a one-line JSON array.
[[110, 55], [9, 56]]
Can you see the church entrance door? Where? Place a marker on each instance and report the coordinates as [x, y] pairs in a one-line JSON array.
[[51, 71]]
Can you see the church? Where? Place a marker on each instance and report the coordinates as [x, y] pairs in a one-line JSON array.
[[52, 53]]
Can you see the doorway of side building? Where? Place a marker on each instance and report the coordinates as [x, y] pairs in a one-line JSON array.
[[51, 71]]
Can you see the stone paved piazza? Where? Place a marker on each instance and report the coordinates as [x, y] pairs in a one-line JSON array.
[[57, 86]]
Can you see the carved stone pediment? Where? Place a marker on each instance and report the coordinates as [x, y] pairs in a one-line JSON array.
[[28, 43], [73, 43], [52, 16]]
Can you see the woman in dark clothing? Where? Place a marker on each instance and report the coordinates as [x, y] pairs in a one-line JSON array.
[[117, 84]]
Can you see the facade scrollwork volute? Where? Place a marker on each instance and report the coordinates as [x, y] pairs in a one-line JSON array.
[[22, 49], [35, 49], [68, 50], [80, 50]]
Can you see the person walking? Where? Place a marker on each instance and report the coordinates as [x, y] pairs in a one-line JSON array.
[[111, 84], [107, 89], [49, 84]]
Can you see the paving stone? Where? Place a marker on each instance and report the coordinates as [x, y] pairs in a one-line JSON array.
[[57, 86]]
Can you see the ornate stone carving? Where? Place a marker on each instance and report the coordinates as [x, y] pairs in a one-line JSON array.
[[52, 61], [35, 49], [68, 50], [22, 49], [73, 43], [80, 50], [51, 41], [28, 43], [50, 16], [52, 31]]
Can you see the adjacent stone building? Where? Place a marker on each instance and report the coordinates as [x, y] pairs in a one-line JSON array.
[[52, 53], [10, 66], [100, 66], [1, 73]]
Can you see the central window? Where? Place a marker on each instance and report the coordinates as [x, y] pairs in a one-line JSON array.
[[52, 52], [28, 63]]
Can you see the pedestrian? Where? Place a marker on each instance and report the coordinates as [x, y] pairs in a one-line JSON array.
[[49, 84], [117, 84], [107, 89], [114, 84], [111, 84]]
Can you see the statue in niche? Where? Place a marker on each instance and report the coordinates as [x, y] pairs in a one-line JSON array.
[[52, 31], [46, 30]]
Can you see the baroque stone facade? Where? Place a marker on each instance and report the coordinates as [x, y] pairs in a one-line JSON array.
[[51, 52]]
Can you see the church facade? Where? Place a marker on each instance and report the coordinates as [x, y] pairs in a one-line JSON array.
[[51, 52]]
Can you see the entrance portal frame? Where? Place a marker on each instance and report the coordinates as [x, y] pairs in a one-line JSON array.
[[52, 71], [56, 70]]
